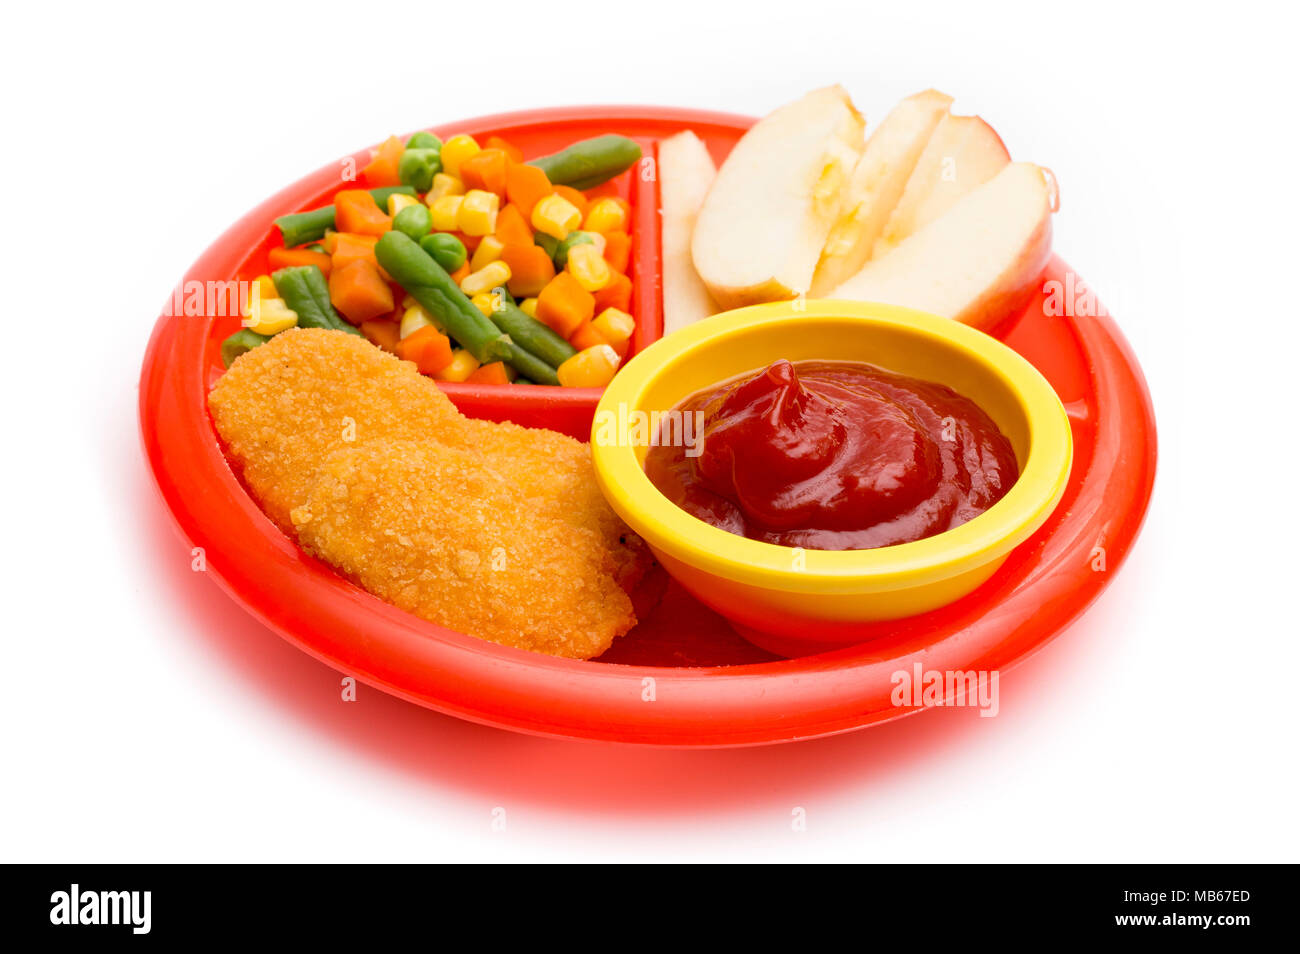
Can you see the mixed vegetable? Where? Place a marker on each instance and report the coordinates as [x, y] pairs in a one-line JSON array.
[[467, 260]]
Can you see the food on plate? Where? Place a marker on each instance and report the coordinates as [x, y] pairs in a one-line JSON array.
[[686, 171], [763, 224], [835, 455], [448, 234], [802, 207], [964, 152], [494, 530], [877, 184], [978, 262]]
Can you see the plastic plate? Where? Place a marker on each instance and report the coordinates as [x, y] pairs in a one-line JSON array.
[[681, 677]]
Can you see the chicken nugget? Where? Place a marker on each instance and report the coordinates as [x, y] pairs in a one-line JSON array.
[[429, 529], [286, 405]]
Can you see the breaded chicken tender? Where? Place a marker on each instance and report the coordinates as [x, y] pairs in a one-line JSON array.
[[429, 529], [494, 530]]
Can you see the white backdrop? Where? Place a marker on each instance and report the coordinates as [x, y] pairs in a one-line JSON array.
[[146, 718]]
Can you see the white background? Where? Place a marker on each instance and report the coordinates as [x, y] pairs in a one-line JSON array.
[[145, 717]]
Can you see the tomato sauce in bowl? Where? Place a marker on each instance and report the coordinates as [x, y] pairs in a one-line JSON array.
[[833, 455]]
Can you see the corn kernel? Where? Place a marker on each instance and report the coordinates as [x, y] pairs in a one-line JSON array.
[[486, 278], [413, 319], [445, 211], [556, 216], [463, 364], [614, 325], [605, 215], [264, 287], [529, 307], [592, 367], [443, 184], [485, 302], [269, 316], [455, 151], [488, 251], [478, 213], [397, 202], [588, 266]]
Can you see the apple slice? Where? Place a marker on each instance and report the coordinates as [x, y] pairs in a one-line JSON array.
[[761, 229], [877, 185], [963, 153], [979, 262], [686, 172]]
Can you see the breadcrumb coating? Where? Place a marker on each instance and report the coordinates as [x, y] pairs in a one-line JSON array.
[[494, 530]]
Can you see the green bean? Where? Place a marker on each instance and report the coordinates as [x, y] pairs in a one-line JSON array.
[[241, 342], [305, 291], [590, 162], [549, 243], [428, 283], [529, 365], [381, 195], [531, 335], [299, 228]]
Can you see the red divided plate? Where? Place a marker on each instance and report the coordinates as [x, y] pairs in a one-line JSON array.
[[681, 677]]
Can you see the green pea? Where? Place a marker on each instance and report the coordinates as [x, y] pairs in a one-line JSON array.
[[445, 249], [414, 220], [424, 140], [417, 168]]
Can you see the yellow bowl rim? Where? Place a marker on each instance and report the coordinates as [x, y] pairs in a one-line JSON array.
[[990, 536]]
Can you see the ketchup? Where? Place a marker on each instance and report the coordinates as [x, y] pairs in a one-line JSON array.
[[835, 455]]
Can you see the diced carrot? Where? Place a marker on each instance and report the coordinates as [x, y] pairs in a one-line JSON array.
[[491, 373], [355, 210], [609, 189], [349, 248], [564, 305], [530, 269], [486, 170], [459, 274], [617, 293], [512, 227], [579, 200], [526, 186], [621, 348], [359, 292], [382, 332], [428, 347], [382, 169], [513, 153], [618, 250], [286, 257], [586, 337]]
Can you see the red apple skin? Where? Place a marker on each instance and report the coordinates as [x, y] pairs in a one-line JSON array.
[[1019, 284]]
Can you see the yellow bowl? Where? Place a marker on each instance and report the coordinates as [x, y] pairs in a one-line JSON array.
[[793, 601]]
